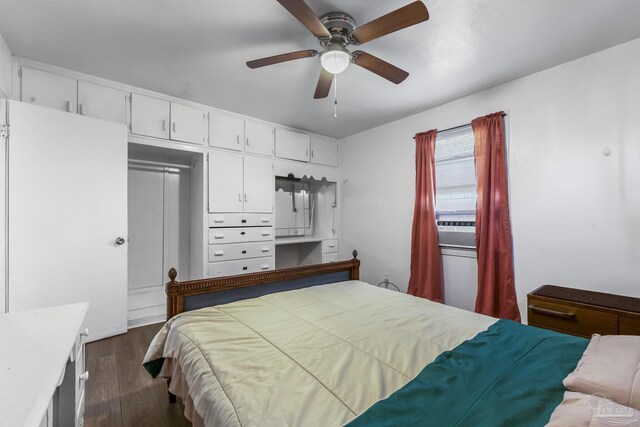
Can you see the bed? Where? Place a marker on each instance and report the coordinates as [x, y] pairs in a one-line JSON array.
[[315, 346]]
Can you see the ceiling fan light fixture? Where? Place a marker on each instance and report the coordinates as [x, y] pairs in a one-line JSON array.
[[335, 58]]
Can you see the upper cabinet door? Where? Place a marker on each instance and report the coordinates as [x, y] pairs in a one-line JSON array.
[[149, 116], [259, 185], [324, 152], [49, 90], [258, 138], [292, 145], [226, 131], [225, 183], [188, 124], [102, 102]]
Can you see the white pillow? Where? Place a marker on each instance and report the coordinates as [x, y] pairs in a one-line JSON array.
[[584, 410], [610, 367]]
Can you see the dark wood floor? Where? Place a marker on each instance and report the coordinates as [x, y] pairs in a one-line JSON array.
[[120, 392]]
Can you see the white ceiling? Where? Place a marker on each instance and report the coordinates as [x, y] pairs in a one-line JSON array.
[[197, 50]]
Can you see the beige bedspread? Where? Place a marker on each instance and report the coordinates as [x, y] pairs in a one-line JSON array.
[[314, 356]]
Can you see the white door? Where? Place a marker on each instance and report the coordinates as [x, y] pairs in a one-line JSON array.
[[49, 90], [225, 183], [259, 184], [258, 138], [102, 102], [324, 152], [188, 124], [67, 210], [149, 116], [225, 131], [292, 145]]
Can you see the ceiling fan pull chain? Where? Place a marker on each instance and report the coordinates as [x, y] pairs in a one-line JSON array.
[[335, 97]]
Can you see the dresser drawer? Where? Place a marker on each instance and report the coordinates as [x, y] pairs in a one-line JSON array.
[[243, 266], [240, 251], [240, 234], [628, 325], [571, 318], [240, 220], [330, 245]]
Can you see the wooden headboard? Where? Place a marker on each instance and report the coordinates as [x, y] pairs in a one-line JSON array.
[[194, 294]]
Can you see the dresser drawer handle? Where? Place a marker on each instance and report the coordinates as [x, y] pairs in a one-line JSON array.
[[554, 313], [84, 377]]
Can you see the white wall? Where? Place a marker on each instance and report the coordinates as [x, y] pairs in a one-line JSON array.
[[575, 212], [5, 70]]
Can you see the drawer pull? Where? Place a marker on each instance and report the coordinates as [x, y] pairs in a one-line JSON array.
[[244, 268], [264, 266], [84, 377], [218, 253], [265, 220], [554, 313], [218, 220], [266, 233], [219, 236], [244, 252], [265, 249], [243, 233], [332, 245]]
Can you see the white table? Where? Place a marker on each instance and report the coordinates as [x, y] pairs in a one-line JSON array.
[[36, 346]]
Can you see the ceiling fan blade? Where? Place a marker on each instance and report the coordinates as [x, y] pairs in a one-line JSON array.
[[305, 15], [324, 84], [270, 60], [406, 16], [379, 67]]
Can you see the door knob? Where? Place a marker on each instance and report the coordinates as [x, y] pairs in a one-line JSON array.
[[120, 241]]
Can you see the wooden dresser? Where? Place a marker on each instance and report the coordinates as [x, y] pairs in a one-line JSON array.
[[583, 313]]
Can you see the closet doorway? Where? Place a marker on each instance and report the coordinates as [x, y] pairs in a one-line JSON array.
[[162, 184]]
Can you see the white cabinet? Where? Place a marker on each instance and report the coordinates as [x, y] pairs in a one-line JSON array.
[[259, 138], [102, 102], [292, 145], [324, 152], [226, 131], [149, 116], [240, 184], [49, 90], [258, 184], [188, 124], [225, 183]]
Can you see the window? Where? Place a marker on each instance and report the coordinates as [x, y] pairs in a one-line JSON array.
[[455, 179]]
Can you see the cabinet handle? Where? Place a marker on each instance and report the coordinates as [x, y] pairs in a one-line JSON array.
[[307, 152], [265, 219], [264, 266], [248, 142], [218, 253], [164, 125], [264, 250], [173, 125], [84, 377], [332, 245], [238, 139], [312, 154], [218, 220], [266, 233], [80, 110], [218, 236], [68, 106], [245, 197], [554, 313], [240, 197]]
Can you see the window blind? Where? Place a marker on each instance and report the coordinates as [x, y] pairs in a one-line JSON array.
[[455, 175]]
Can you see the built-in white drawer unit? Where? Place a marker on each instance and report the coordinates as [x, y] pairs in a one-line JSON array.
[[329, 246], [240, 220], [242, 266], [331, 257], [240, 234], [240, 251]]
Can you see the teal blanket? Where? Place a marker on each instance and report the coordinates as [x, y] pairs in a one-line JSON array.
[[510, 375]]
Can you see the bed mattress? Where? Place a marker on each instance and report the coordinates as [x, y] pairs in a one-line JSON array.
[[314, 356]]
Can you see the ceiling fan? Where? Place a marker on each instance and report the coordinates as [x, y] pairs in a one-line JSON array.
[[337, 30]]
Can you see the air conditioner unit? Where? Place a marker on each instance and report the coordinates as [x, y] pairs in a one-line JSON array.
[[457, 231]]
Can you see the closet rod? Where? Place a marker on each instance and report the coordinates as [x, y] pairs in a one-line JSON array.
[[162, 164], [459, 127]]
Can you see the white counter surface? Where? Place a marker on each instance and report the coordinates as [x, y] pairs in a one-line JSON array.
[[35, 346]]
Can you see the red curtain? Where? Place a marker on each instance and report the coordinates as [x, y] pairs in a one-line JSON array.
[[426, 268], [496, 286]]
